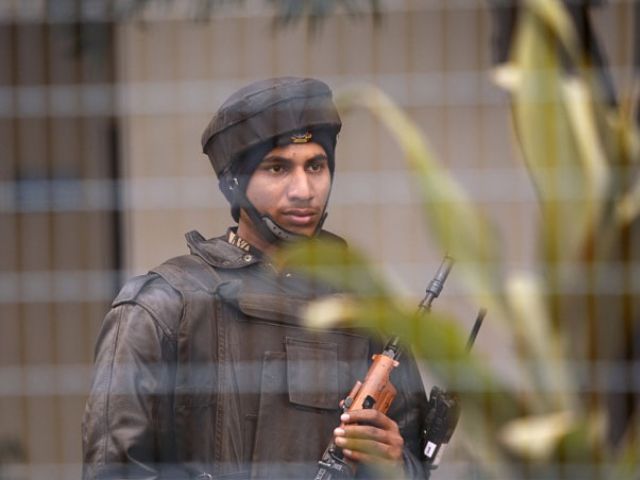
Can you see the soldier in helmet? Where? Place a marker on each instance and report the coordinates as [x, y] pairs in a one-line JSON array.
[[203, 366]]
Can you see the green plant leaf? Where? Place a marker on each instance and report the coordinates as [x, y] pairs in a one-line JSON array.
[[537, 437], [558, 131], [540, 348], [627, 208], [459, 228], [626, 464], [435, 339], [335, 264], [364, 301]]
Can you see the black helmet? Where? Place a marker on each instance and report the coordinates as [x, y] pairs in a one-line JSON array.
[[265, 110]]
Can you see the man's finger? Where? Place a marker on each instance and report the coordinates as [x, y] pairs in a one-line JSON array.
[[373, 441], [371, 448], [370, 417], [363, 431], [358, 449]]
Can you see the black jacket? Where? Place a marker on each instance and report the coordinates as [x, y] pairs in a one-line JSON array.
[[207, 372]]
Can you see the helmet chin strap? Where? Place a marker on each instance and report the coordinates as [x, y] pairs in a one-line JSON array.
[[266, 226]]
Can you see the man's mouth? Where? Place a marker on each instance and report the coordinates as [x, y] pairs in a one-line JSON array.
[[300, 216]]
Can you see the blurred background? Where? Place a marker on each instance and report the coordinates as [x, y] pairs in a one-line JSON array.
[[102, 104]]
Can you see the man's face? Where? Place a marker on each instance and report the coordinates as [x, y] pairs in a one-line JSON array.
[[292, 185]]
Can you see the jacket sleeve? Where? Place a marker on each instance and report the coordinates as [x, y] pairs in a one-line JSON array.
[[127, 416]]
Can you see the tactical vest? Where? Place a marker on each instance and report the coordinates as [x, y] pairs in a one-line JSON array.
[[256, 391]]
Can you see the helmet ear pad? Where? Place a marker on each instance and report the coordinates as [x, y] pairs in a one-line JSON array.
[[229, 186], [234, 182]]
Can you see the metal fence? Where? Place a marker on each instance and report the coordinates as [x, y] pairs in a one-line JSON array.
[[101, 109]]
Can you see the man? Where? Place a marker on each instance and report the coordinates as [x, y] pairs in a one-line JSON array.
[[204, 368]]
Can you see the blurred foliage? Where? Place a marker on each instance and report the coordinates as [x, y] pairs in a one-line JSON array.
[[582, 155], [92, 39], [316, 11], [286, 12]]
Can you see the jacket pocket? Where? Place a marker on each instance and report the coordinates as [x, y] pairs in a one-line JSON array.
[[298, 409], [312, 373]]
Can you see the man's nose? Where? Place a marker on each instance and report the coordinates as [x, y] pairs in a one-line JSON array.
[[300, 186]]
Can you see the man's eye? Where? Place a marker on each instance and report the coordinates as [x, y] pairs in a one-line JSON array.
[[316, 166], [275, 168]]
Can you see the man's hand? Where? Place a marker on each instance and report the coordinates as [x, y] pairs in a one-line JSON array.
[[370, 436]]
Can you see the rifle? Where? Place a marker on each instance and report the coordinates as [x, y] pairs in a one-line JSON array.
[[377, 391]]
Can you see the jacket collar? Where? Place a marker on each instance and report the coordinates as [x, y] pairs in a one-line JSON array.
[[218, 252]]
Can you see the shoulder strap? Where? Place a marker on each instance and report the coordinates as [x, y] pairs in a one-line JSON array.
[[189, 273]]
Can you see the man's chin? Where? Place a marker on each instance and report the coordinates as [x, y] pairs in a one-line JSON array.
[[303, 231]]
